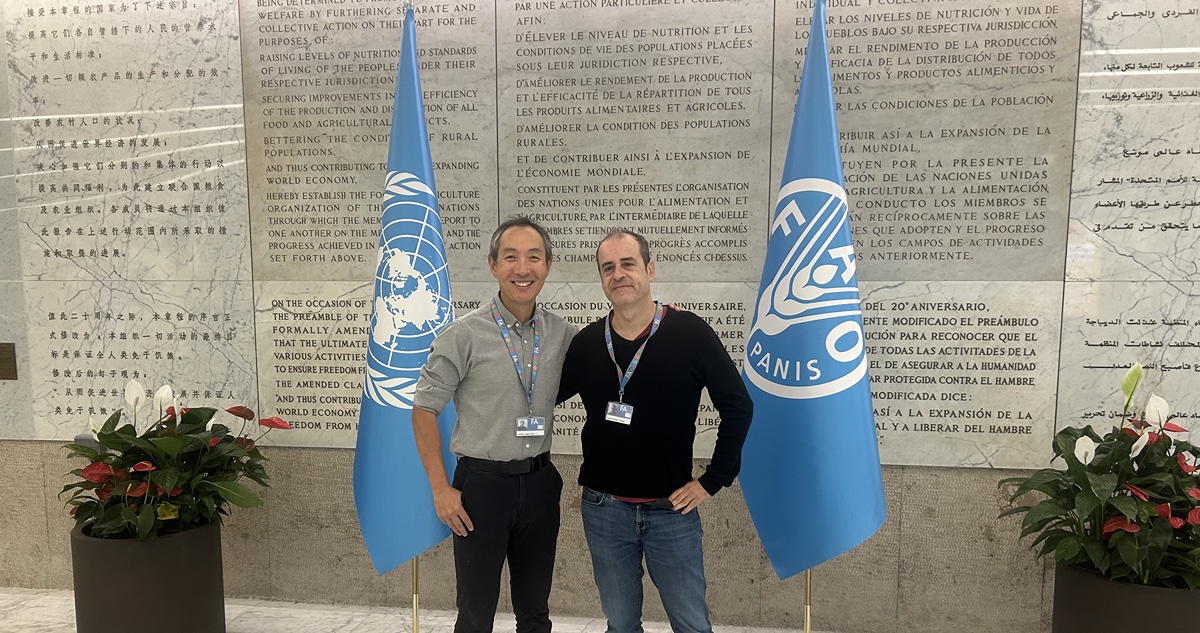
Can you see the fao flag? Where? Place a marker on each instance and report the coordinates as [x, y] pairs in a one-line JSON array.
[[810, 466]]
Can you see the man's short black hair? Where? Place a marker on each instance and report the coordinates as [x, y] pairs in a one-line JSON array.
[[515, 221]]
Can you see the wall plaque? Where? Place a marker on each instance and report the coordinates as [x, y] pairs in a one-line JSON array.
[[8, 361]]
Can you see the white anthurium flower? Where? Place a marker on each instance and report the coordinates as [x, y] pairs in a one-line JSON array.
[[1140, 444], [135, 394], [1157, 410], [1085, 449], [93, 427], [162, 398]]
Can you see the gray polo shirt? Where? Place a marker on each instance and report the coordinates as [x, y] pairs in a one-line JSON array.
[[470, 363]]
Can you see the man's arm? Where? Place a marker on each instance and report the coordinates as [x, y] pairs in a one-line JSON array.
[[732, 401], [568, 384], [729, 396], [446, 499]]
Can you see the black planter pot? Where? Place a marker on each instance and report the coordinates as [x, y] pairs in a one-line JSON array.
[[172, 584], [1086, 602]]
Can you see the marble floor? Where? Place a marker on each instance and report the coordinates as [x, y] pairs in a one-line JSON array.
[[38, 611]]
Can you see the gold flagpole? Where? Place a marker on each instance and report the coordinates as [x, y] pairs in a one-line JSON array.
[[416, 592], [807, 601]]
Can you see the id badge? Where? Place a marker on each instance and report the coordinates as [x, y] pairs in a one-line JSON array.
[[535, 425], [619, 412]]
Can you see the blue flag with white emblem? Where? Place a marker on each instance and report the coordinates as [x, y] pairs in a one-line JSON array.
[[411, 304], [810, 465]]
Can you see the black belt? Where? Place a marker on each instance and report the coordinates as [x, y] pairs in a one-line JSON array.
[[517, 467]]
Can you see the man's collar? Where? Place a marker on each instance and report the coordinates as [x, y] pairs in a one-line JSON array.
[[511, 320]]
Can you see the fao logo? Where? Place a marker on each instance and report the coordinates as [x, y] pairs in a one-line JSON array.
[[807, 339]]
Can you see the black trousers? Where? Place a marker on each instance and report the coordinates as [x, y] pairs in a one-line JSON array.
[[516, 517]]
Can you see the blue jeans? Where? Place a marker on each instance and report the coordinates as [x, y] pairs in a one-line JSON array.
[[619, 534]]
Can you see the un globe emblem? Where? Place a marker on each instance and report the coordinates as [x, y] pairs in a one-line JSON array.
[[807, 338], [412, 291]]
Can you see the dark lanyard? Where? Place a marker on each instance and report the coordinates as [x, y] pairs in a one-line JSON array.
[[623, 379]]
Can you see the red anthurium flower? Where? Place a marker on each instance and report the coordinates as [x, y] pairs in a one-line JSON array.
[[1154, 437], [1194, 493], [1184, 465], [97, 472], [74, 510], [1138, 424], [135, 492], [121, 475], [104, 493], [170, 413], [1194, 516], [241, 412], [214, 441], [1118, 523], [1137, 492], [1176, 522], [1131, 432], [176, 490], [245, 443], [156, 490], [143, 467], [274, 422], [1163, 510], [1174, 428]]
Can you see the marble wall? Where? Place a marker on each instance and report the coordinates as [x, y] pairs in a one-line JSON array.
[[191, 190], [196, 184]]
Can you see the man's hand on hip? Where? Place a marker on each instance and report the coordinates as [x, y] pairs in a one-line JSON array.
[[448, 503], [689, 496]]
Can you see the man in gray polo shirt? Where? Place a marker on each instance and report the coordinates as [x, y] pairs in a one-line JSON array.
[[501, 365]]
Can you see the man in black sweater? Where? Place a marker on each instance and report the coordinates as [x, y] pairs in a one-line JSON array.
[[639, 372]]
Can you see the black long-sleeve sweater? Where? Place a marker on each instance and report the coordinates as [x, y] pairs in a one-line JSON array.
[[652, 456]]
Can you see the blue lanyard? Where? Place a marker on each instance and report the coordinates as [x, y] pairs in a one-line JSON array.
[[512, 351], [623, 379]]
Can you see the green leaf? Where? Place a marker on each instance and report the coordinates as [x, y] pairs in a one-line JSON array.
[[195, 420], [1127, 548], [1157, 542], [1016, 510], [1130, 382], [111, 423], [1097, 553], [1041, 515], [1037, 481], [1051, 537], [1102, 485], [79, 450], [145, 521], [1086, 503], [169, 445], [237, 494], [1067, 549], [166, 478], [1125, 505]]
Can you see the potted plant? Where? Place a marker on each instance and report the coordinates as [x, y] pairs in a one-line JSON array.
[[148, 508], [1122, 521]]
